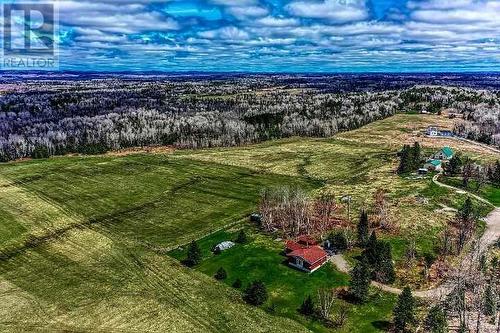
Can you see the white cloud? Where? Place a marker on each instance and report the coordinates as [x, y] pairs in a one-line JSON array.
[[226, 34], [339, 11], [271, 21]]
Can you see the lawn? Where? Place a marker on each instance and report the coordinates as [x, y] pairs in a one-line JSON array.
[[488, 191], [261, 259]]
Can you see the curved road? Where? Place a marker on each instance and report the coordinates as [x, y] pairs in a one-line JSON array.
[[490, 236]]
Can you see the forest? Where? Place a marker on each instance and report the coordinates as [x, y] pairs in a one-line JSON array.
[[91, 116]]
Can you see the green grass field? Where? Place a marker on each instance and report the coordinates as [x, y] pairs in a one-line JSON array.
[[261, 259], [105, 223], [488, 191], [84, 240]]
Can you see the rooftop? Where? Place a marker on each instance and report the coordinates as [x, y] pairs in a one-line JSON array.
[[311, 254], [447, 151]]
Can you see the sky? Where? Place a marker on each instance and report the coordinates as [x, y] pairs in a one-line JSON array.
[[280, 35]]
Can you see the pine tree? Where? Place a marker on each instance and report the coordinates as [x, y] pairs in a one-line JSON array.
[[371, 251], [338, 241], [405, 160], [237, 284], [384, 266], [307, 307], [466, 212], [194, 254], [242, 237], [452, 168], [490, 301], [416, 153], [220, 274], [363, 228], [496, 174], [404, 312], [360, 281], [256, 293], [379, 256], [436, 322]]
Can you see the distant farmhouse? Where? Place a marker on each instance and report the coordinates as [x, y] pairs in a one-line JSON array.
[[444, 154], [305, 254], [435, 162], [434, 131]]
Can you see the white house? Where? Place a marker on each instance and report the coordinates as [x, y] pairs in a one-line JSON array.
[[432, 131]]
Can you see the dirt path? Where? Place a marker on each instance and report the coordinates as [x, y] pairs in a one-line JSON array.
[[490, 236], [458, 190]]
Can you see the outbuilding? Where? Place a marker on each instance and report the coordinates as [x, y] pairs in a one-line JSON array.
[[434, 165], [223, 246]]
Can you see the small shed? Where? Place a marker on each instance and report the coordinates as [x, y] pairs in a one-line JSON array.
[[423, 171], [433, 165], [223, 246]]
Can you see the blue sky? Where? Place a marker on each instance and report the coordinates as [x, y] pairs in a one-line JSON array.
[[280, 35]]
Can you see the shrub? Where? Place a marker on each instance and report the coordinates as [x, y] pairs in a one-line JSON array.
[[307, 307], [242, 237], [220, 274], [256, 293], [237, 284], [193, 255]]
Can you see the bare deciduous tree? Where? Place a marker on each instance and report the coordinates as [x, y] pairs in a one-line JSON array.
[[326, 299]]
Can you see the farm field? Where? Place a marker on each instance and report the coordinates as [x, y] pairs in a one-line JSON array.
[[84, 240]]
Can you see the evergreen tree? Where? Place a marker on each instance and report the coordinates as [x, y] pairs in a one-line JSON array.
[[379, 256], [384, 267], [467, 212], [405, 160], [404, 312], [496, 174], [371, 250], [220, 274], [307, 307], [237, 284], [338, 241], [194, 254], [416, 153], [242, 237], [436, 322], [360, 281], [490, 301], [363, 228], [256, 293], [452, 168]]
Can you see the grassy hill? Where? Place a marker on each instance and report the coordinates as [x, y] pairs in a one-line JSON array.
[[84, 240]]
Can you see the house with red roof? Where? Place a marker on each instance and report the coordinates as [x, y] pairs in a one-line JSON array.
[[305, 254]]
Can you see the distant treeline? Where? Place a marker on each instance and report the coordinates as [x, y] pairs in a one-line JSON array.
[[90, 117]]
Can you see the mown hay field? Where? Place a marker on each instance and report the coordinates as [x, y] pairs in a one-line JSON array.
[[102, 225]]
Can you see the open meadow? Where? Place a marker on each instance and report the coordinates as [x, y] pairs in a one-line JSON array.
[[91, 243]]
